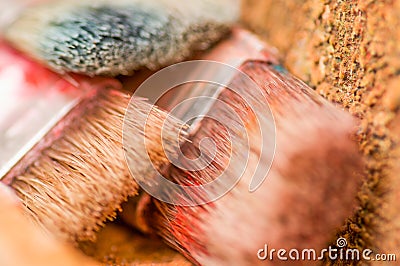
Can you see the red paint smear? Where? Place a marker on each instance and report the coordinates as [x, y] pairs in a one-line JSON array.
[[38, 78]]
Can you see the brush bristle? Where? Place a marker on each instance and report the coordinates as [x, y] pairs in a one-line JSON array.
[[309, 191], [81, 179], [119, 37]]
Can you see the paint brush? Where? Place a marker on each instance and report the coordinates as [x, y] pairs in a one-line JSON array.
[[118, 37], [224, 213], [62, 148]]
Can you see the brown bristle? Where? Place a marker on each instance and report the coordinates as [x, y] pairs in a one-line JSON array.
[[81, 179], [308, 193]]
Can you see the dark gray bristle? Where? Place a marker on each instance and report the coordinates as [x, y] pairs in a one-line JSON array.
[[113, 40], [104, 39]]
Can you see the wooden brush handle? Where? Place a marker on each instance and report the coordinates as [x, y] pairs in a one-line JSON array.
[[23, 244]]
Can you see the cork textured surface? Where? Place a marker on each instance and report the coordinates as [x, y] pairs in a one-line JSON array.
[[348, 52]]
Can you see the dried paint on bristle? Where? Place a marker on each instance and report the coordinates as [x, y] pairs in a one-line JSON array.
[[81, 179], [120, 37], [310, 189]]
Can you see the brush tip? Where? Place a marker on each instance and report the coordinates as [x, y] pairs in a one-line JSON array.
[[118, 38], [106, 40]]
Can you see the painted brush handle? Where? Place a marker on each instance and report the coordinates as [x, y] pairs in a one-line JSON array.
[[32, 100]]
